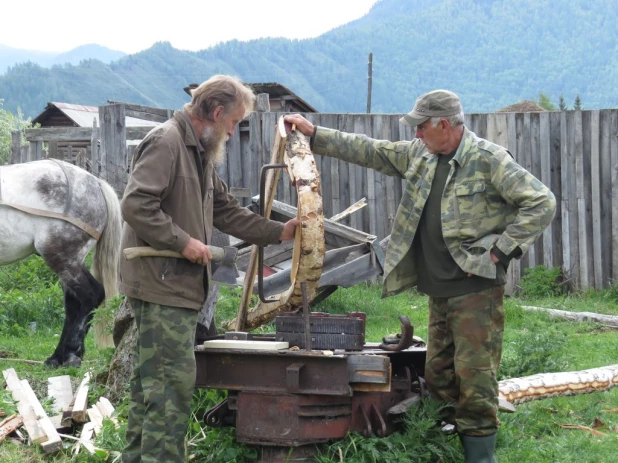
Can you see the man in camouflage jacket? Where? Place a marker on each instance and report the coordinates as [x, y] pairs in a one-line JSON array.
[[467, 209]]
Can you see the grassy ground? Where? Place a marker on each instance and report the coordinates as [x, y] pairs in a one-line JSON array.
[[534, 343]]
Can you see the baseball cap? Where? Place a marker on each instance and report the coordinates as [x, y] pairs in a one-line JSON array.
[[437, 103]]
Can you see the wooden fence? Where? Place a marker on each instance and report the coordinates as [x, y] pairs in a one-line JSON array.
[[574, 153]]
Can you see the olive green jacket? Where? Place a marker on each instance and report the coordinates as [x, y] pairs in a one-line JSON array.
[[170, 197], [489, 200]]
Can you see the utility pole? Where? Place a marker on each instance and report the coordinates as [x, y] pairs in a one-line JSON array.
[[369, 78]]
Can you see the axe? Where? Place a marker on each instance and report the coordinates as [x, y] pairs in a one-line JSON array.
[[225, 274]]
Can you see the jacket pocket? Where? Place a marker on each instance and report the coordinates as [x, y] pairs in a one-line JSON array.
[[168, 267], [470, 201]]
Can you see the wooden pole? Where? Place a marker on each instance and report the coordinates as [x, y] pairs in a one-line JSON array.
[[369, 82]]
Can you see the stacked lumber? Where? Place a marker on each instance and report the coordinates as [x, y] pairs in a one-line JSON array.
[[68, 409]]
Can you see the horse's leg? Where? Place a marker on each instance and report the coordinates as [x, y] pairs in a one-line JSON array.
[[82, 294]]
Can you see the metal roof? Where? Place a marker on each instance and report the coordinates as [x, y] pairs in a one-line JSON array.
[[84, 116]]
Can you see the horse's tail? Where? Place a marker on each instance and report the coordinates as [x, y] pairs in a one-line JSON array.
[[106, 257]]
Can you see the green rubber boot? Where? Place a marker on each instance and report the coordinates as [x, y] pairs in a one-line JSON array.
[[479, 449]]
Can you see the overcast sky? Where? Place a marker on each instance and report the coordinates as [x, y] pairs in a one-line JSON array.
[[134, 25]]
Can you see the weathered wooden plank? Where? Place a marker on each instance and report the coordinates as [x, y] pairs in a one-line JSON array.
[[53, 442], [361, 126], [252, 177], [9, 425], [15, 147], [345, 124], [556, 182], [327, 176], [544, 155], [580, 185], [59, 388], [614, 163], [235, 169], [527, 142], [565, 206], [381, 131], [497, 129], [513, 272], [162, 113], [606, 194], [595, 182], [113, 146], [398, 187], [80, 403], [25, 408]]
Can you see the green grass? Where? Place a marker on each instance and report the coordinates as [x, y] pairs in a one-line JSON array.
[[534, 343]]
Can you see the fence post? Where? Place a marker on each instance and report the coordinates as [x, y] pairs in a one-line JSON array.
[[113, 150], [262, 104], [15, 147]]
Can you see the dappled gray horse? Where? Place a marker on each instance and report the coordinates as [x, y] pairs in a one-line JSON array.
[[59, 211]]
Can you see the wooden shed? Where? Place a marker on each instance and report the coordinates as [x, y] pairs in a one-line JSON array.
[[280, 98], [57, 114]]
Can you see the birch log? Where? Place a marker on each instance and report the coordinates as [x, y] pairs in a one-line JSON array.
[[546, 385], [309, 244], [609, 320]]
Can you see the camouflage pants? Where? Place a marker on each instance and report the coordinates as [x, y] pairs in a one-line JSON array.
[[162, 384], [463, 354]]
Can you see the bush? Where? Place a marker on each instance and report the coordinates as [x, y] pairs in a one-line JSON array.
[[534, 353], [540, 281], [29, 292]]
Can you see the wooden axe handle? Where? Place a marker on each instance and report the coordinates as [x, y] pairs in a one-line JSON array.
[[147, 251]]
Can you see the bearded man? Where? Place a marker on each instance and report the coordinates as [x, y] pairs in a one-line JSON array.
[[173, 199]]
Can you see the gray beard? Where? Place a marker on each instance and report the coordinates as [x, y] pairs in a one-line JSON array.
[[214, 146]]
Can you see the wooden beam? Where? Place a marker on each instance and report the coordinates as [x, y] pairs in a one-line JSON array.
[[53, 442], [80, 404], [25, 408], [9, 425]]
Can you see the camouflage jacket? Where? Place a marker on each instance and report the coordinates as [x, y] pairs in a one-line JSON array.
[[488, 200]]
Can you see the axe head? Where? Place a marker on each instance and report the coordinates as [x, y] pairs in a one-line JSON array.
[[226, 272]]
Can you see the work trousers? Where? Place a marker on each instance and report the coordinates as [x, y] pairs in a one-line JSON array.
[[162, 384], [463, 354]]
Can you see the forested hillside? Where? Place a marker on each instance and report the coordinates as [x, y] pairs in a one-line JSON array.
[[492, 52]]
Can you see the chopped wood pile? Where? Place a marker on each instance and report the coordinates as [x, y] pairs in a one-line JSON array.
[[70, 411]]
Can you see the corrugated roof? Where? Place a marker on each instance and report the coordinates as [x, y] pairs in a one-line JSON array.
[[84, 116]]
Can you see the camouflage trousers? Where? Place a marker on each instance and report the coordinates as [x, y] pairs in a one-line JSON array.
[[463, 354], [162, 384]]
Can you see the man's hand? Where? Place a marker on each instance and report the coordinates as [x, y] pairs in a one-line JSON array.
[[302, 125], [494, 259], [289, 230], [197, 252]]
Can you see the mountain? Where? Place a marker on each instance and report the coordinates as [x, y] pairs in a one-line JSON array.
[[493, 53], [10, 56], [90, 51], [13, 56]]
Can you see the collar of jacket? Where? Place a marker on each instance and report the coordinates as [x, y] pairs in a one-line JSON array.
[[462, 155], [191, 138]]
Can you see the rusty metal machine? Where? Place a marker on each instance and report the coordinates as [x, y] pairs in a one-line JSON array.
[[328, 382]]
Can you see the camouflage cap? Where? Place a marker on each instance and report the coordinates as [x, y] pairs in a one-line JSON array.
[[437, 103]]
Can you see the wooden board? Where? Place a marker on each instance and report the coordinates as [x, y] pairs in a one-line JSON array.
[[59, 388], [245, 344], [25, 408]]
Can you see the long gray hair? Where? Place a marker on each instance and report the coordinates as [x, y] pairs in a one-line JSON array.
[[219, 90]]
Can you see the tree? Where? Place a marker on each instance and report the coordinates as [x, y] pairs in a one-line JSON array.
[[562, 104], [8, 124], [545, 103], [577, 104]]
